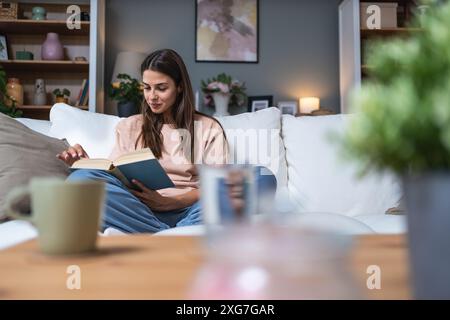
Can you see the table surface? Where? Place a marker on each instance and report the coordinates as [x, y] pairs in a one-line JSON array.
[[163, 267]]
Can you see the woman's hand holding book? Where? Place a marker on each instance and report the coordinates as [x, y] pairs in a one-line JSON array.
[[72, 154]]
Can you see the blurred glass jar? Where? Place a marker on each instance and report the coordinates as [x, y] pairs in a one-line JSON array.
[[15, 90], [235, 194], [273, 262]]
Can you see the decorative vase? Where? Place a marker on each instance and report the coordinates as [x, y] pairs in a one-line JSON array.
[[428, 216], [15, 90], [52, 48], [38, 13], [221, 101], [127, 109], [40, 95]]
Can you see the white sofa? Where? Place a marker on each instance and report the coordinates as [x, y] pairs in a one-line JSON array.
[[312, 180]]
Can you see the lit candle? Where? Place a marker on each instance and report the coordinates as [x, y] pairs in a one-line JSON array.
[[309, 104]]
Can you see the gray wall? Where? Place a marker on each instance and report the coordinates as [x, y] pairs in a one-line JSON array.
[[298, 45]]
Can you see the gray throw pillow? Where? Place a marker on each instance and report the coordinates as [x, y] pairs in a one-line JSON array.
[[25, 154]]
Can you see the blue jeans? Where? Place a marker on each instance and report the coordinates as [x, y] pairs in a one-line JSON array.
[[125, 212]]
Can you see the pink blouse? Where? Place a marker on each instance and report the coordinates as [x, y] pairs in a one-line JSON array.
[[210, 147]]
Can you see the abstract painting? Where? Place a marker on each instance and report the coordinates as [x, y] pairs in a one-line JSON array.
[[227, 31]]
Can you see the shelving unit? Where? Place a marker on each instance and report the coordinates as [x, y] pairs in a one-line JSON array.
[[366, 33], [20, 26], [45, 65], [88, 41], [47, 107], [352, 38]]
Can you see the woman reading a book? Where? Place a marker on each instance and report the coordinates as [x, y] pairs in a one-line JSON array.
[[167, 125]]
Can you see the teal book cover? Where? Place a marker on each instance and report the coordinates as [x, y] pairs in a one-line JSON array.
[[149, 172]]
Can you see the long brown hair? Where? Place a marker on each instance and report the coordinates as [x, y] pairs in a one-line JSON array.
[[168, 62]]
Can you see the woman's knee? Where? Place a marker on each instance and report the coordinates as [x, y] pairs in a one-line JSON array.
[[89, 174], [85, 174]]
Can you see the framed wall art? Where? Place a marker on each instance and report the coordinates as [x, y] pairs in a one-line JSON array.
[[226, 31]]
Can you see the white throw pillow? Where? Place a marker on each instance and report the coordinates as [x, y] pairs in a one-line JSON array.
[[255, 138], [319, 181], [95, 132]]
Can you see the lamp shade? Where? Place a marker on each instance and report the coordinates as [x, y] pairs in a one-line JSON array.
[[130, 63], [309, 104]]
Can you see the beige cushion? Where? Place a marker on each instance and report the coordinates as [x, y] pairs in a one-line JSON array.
[[25, 154]]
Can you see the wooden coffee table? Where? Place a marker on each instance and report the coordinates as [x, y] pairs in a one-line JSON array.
[[163, 267]]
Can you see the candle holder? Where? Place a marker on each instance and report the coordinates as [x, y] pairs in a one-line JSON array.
[[309, 104]]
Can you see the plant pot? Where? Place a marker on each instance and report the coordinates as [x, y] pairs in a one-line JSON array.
[[221, 101], [127, 109], [428, 212], [62, 99]]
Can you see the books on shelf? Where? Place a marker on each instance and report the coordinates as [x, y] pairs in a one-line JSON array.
[[140, 165], [83, 96]]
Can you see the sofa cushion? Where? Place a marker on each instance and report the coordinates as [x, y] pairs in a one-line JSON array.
[[15, 232], [385, 223], [330, 222], [319, 181], [255, 138], [25, 154], [93, 131], [41, 126]]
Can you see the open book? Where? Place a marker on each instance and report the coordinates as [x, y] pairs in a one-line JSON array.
[[140, 165]]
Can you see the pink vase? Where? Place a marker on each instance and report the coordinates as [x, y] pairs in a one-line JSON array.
[[52, 48]]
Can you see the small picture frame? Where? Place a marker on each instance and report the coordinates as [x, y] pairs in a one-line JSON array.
[[3, 47], [256, 103], [288, 107], [259, 105]]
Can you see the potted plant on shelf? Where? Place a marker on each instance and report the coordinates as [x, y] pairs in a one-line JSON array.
[[61, 95], [221, 91], [402, 123], [128, 92], [7, 104]]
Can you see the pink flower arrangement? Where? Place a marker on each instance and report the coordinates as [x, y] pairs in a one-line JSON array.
[[226, 85]]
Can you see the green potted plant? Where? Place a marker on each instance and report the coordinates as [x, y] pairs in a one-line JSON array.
[[128, 92], [61, 95], [221, 91], [11, 110], [402, 124]]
